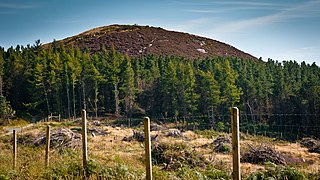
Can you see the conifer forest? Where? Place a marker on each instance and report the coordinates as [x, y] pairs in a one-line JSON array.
[[41, 79]]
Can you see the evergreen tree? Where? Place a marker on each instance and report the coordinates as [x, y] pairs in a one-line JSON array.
[[127, 86], [113, 71], [168, 85], [186, 83], [1, 71], [209, 91], [75, 71]]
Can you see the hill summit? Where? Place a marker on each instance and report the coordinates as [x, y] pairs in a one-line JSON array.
[[145, 40]]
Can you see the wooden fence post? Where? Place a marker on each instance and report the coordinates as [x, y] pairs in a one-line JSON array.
[[84, 138], [147, 142], [14, 149], [47, 146], [235, 143]]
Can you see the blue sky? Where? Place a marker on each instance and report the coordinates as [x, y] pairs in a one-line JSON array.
[[281, 30]]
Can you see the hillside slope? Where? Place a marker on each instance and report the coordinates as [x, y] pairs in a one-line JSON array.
[[144, 40]]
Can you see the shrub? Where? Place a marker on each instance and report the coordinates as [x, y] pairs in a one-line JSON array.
[[277, 172], [220, 126]]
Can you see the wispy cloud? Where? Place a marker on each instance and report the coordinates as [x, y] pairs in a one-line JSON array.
[[248, 3], [230, 9], [308, 9], [232, 6], [4, 5]]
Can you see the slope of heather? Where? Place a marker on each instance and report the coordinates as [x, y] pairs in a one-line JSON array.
[[144, 40]]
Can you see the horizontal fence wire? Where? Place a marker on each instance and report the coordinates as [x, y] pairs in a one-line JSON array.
[[289, 126]]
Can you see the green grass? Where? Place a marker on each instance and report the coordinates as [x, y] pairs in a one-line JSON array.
[[208, 133]]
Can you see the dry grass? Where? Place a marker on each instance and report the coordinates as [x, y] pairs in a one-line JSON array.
[[110, 151]]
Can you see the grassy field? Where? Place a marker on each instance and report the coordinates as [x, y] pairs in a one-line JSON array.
[[182, 155]]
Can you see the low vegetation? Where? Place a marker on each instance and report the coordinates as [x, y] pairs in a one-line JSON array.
[[188, 155]]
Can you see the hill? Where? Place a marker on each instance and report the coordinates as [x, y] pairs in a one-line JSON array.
[[144, 40]]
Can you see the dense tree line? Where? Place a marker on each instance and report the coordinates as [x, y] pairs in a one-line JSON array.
[[38, 80]]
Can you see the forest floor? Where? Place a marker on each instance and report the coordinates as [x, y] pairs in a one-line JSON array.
[[119, 151]]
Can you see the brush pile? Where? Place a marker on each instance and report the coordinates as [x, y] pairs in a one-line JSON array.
[[61, 138], [313, 145], [222, 144], [138, 136], [174, 133], [98, 132], [262, 154], [175, 156], [157, 127]]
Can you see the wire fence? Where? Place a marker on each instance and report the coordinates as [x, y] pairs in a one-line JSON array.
[[283, 126]]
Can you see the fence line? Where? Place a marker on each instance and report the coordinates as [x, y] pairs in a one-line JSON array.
[[235, 124], [292, 126]]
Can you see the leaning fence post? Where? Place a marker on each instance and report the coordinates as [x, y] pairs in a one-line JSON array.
[[47, 146], [84, 138], [147, 142], [235, 143], [14, 149]]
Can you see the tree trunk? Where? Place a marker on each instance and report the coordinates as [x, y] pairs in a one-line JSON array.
[[96, 99], [68, 96], [83, 96], [1, 85], [212, 118], [46, 96], [73, 98], [116, 98]]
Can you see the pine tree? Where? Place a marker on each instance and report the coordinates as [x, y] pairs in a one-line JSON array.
[[168, 85], [127, 86], [1, 71], [113, 71], [209, 91], [75, 71], [229, 91], [187, 96]]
